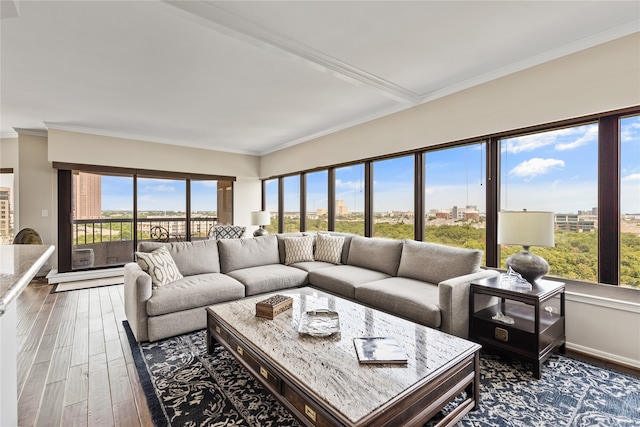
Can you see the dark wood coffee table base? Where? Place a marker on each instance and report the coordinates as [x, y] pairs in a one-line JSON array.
[[414, 407]]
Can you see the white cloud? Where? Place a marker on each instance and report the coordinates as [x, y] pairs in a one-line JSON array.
[[525, 143], [536, 166], [349, 185], [590, 136], [634, 177]]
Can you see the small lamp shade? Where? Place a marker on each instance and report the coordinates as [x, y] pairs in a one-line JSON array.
[[526, 228], [260, 218]]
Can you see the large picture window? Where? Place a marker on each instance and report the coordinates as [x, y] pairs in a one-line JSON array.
[[317, 201], [556, 171], [455, 196], [292, 204], [630, 201], [271, 203], [393, 183], [349, 203]]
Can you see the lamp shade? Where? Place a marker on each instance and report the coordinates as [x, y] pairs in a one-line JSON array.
[[526, 228], [260, 218]]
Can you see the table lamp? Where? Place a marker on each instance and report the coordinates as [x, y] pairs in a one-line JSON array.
[[526, 228], [260, 218]]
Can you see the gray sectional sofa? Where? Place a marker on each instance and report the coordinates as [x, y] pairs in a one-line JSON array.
[[423, 282]]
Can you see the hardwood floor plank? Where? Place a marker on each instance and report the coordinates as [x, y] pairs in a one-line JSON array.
[[45, 350], [80, 352], [29, 399], [77, 384], [119, 381], [59, 369], [100, 411], [24, 365], [96, 342], [110, 328], [50, 413], [138, 396], [125, 414], [75, 415], [114, 350]]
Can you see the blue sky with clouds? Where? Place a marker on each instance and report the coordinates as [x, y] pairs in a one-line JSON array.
[[553, 170]]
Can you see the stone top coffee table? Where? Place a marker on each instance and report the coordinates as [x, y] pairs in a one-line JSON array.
[[320, 380]]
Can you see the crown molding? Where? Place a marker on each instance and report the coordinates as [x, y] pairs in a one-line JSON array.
[[9, 135], [68, 127], [631, 27], [33, 132], [210, 16], [342, 126]]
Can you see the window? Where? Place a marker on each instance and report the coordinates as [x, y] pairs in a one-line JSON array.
[[630, 201], [161, 209], [204, 208], [317, 203], [393, 184], [455, 200], [556, 171], [271, 203], [6, 207], [102, 226], [292, 204], [349, 203]]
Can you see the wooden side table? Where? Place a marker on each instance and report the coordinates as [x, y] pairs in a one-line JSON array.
[[539, 323]]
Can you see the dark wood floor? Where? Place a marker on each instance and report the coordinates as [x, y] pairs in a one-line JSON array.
[[74, 362]]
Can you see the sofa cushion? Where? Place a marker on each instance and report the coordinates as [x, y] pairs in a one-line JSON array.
[[267, 278], [329, 248], [197, 257], [408, 298], [375, 254], [433, 263], [298, 249], [343, 279], [346, 245], [194, 291], [159, 265], [236, 254], [312, 265]]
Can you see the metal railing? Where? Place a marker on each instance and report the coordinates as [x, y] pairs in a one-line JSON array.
[[105, 230]]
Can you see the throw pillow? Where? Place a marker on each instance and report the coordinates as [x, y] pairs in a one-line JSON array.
[[159, 265], [298, 249], [329, 248]]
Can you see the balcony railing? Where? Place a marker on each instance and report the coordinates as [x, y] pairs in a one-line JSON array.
[[105, 230]]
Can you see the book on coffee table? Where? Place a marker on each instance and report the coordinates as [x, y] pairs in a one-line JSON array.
[[379, 350]]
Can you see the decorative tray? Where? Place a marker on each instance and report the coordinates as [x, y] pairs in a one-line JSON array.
[[319, 323]]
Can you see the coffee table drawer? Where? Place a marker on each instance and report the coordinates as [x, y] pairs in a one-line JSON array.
[[310, 411], [259, 368]]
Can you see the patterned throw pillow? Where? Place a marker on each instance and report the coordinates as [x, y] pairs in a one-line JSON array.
[[329, 248], [298, 249], [160, 266]]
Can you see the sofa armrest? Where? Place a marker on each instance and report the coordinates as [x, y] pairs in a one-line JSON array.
[[454, 302], [137, 290]]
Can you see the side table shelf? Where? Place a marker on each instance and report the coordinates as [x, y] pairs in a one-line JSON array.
[[536, 332]]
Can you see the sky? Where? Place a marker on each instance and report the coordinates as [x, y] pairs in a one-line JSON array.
[[553, 171]]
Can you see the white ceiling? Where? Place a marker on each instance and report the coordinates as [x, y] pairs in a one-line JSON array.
[[254, 77]]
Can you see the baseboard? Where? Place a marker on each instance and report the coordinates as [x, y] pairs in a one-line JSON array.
[[602, 355], [55, 277]]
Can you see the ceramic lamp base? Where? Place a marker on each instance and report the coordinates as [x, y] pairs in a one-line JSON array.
[[260, 232], [530, 266]]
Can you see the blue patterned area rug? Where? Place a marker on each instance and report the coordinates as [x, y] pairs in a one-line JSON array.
[[185, 386]]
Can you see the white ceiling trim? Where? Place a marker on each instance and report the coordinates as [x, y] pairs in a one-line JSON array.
[[125, 135], [9, 135], [568, 49], [212, 17], [342, 126], [32, 132]]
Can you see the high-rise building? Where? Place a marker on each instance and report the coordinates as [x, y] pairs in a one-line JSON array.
[[341, 209], [5, 212], [88, 196]]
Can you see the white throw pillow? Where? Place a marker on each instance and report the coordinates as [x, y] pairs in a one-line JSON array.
[[329, 248], [159, 265], [298, 249]]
